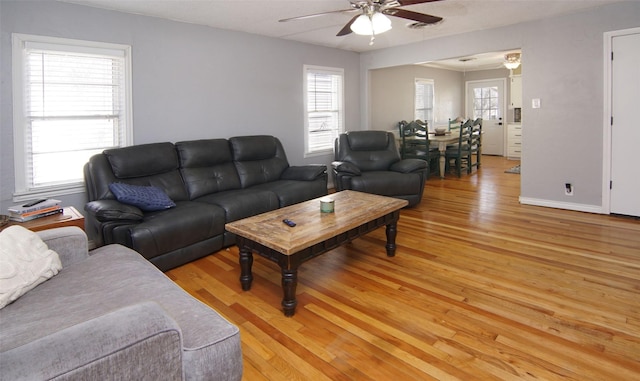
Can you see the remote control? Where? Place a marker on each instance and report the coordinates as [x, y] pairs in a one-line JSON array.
[[34, 203], [289, 222]]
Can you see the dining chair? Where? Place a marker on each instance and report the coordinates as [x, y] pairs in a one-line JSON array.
[[461, 153], [405, 133], [416, 145], [455, 123], [454, 128], [476, 144]]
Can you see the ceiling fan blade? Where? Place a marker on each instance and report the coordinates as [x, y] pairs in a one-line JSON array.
[[411, 2], [347, 28], [410, 15], [316, 15]]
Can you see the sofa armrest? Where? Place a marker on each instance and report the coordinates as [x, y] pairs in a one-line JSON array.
[[305, 172], [113, 210], [409, 165], [344, 167], [69, 242], [136, 342]]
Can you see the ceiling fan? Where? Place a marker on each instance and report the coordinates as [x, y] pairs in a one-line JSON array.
[[372, 20]]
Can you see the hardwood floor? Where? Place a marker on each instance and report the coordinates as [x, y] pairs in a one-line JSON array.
[[481, 288]]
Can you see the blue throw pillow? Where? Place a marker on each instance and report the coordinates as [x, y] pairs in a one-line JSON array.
[[147, 198]]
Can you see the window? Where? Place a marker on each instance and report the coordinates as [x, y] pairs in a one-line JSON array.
[[324, 108], [485, 103], [71, 101], [424, 100]]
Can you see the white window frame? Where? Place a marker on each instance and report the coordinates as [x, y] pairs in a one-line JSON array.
[[422, 82], [23, 189], [340, 109]]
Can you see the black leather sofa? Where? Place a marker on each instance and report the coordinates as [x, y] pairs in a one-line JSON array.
[[369, 161], [211, 182]]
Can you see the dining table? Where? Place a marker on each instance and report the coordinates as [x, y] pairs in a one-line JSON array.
[[442, 141]]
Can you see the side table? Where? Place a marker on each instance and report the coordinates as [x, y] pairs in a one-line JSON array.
[[69, 217]]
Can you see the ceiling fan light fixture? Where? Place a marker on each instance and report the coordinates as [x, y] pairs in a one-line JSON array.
[[381, 23], [362, 25], [369, 26], [511, 65], [512, 61]]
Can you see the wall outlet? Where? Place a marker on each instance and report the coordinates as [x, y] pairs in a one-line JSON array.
[[568, 189]]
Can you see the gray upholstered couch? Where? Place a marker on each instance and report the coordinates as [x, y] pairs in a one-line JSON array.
[[212, 182], [111, 315]]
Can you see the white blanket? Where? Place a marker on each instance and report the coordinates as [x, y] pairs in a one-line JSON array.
[[25, 262]]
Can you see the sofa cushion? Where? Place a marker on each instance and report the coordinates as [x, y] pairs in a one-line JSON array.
[[309, 172], [147, 198], [258, 159], [291, 192], [146, 165], [242, 203], [207, 166], [25, 262], [171, 229], [69, 242], [387, 183], [369, 141], [258, 147], [203, 153], [112, 210], [142, 160], [346, 167], [108, 347], [409, 165]]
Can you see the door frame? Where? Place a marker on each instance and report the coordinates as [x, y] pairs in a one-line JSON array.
[[606, 115], [503, 81]]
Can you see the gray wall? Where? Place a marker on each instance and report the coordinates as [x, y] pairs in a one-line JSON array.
[[562, 141], [392, 92], [189, 81]]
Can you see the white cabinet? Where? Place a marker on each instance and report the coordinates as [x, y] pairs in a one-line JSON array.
[[514, 141], [516, 92]]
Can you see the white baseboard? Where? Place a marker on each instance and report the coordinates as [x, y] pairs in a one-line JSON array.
[[563, 205]]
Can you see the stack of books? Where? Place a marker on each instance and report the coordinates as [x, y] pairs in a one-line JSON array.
[[37, 209]]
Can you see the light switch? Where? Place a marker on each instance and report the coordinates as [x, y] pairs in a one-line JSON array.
[[535, 103]]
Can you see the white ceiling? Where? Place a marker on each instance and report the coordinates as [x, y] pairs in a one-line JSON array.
[[482, 61], [261, 17]]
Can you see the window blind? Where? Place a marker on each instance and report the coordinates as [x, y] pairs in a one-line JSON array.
[[424, 98], [324, 107], [74, 108]]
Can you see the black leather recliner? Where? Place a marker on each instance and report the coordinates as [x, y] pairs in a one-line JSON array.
[[369, 161]]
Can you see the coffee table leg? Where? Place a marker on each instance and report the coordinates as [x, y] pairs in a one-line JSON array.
[[289, 284], [392, 231], [246, 261]]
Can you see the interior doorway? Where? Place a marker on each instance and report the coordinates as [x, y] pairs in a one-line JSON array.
[[622, 132]]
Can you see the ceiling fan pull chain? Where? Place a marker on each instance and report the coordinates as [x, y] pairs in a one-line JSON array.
[[373, 32]]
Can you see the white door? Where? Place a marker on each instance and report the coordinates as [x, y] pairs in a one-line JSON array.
[[485, 99], [625, 131]]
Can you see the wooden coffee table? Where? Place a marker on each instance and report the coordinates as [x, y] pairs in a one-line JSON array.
[[315, 233]]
